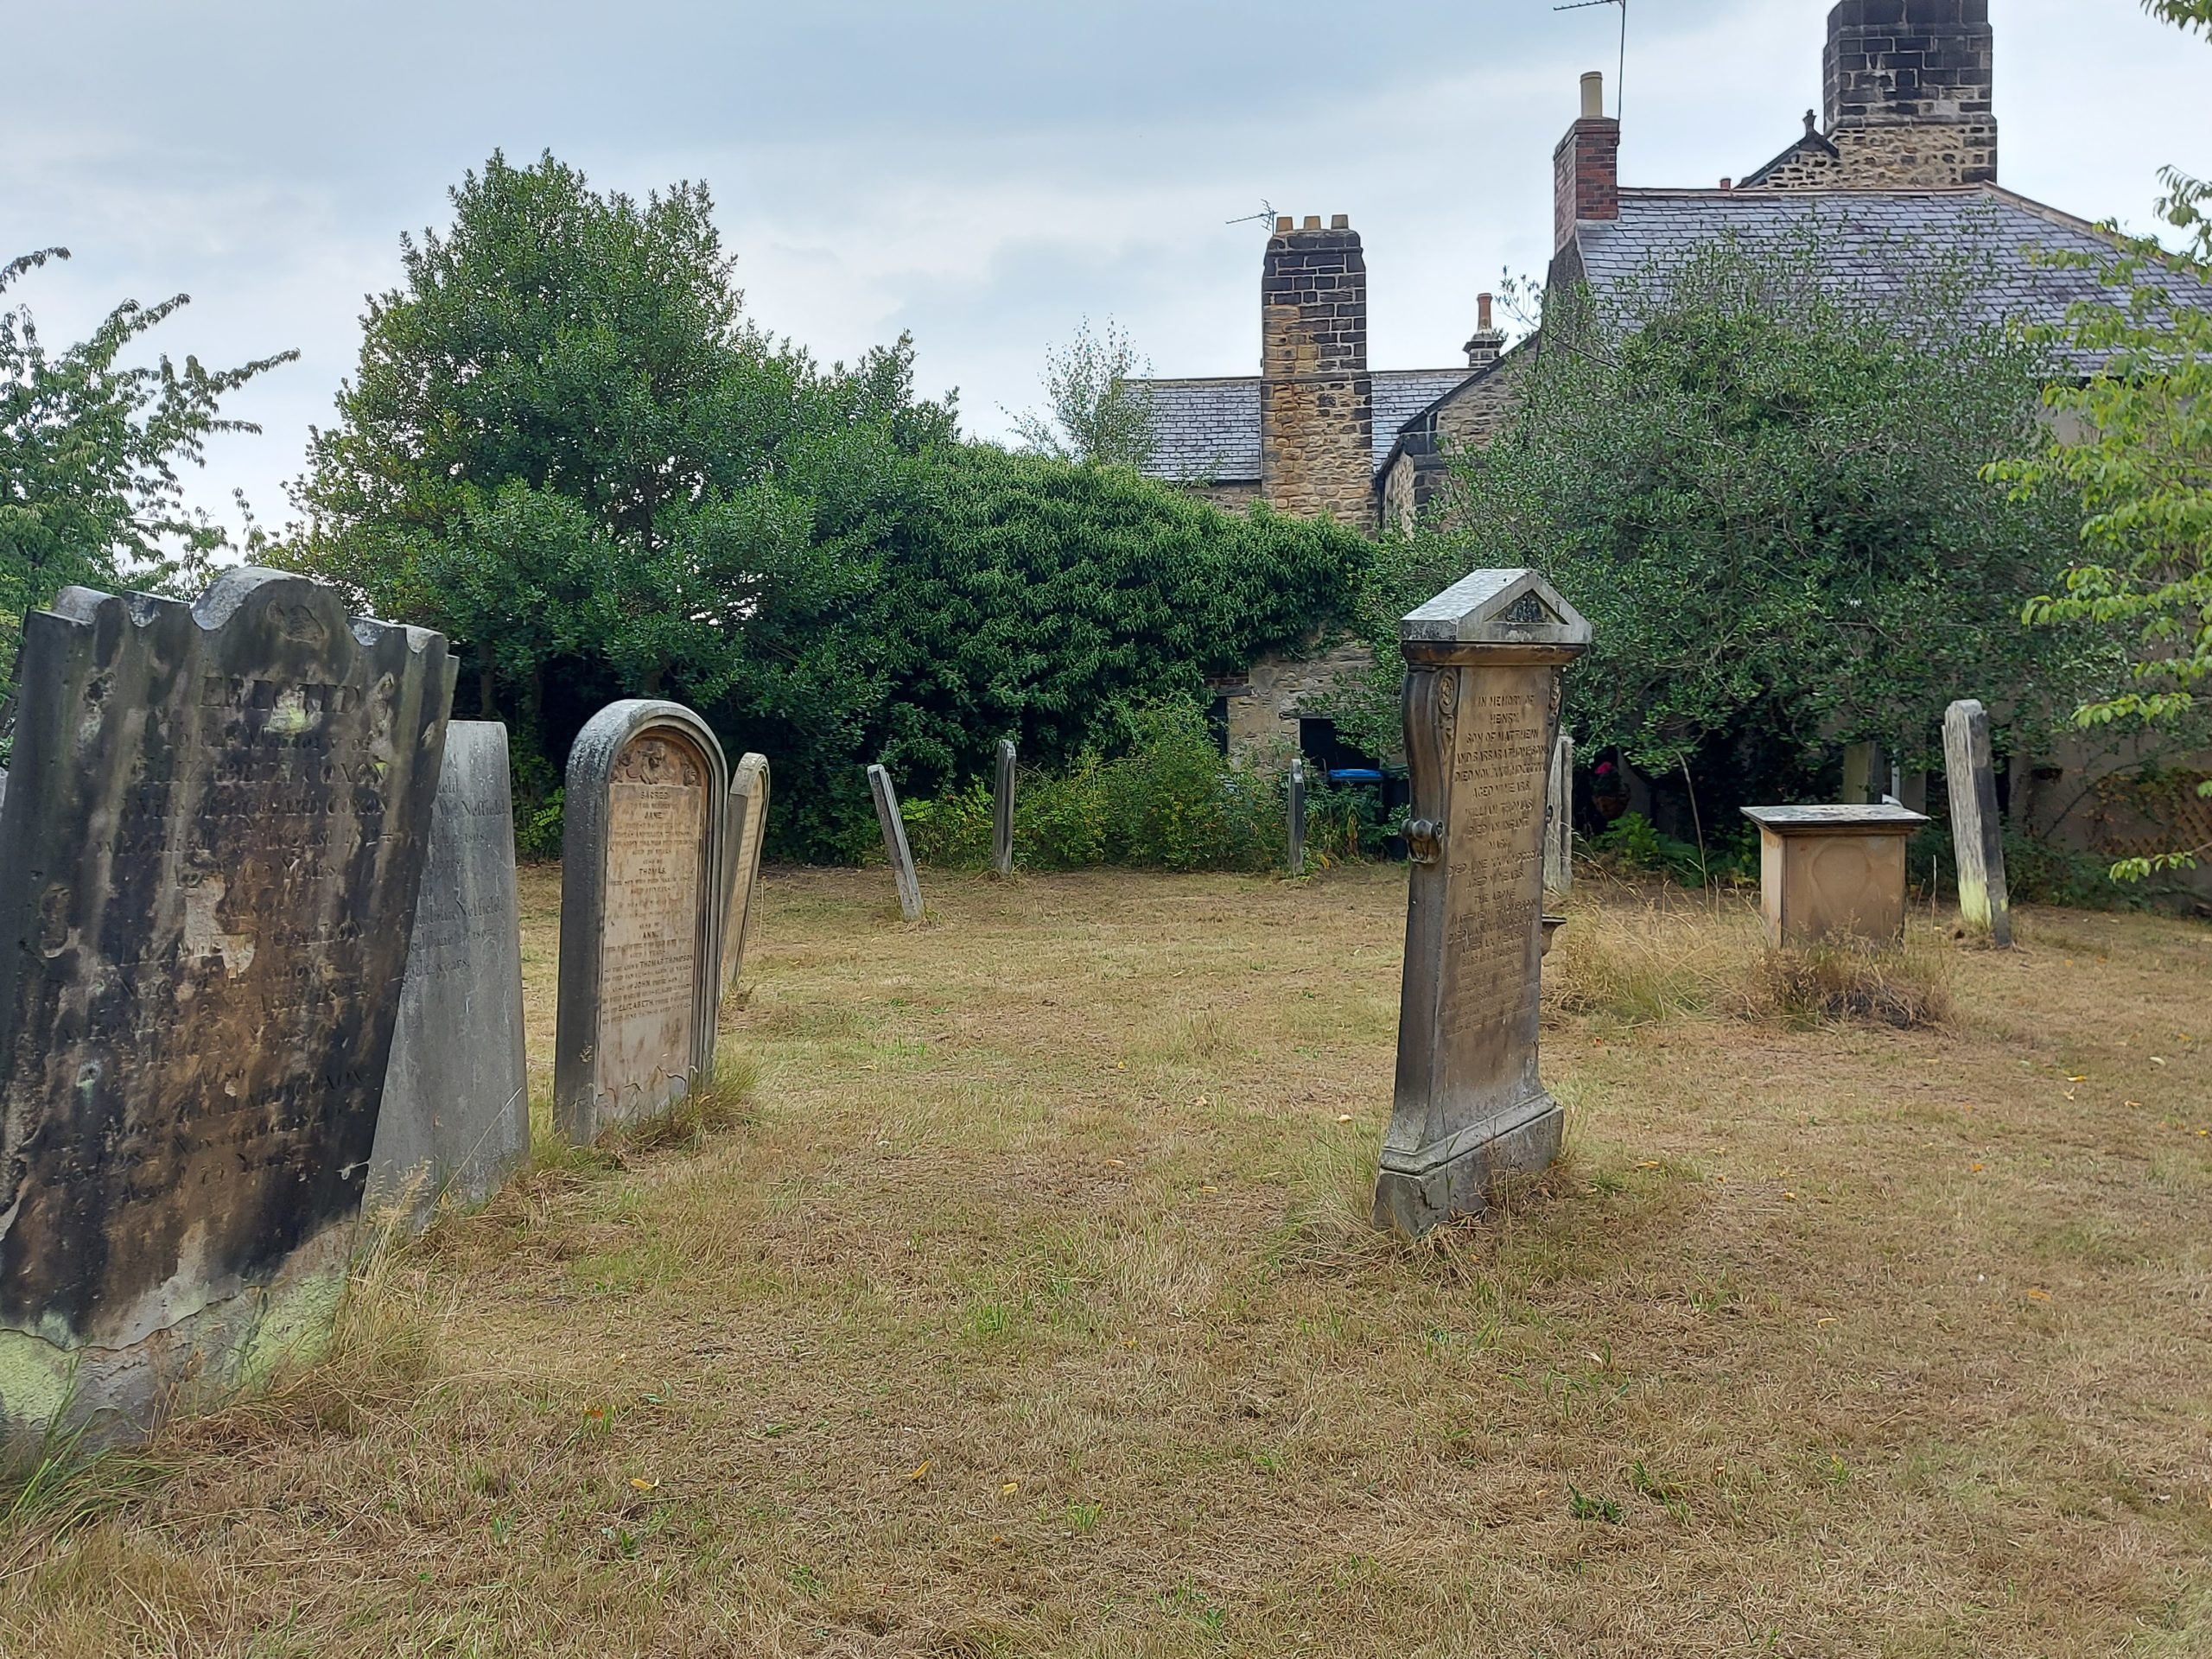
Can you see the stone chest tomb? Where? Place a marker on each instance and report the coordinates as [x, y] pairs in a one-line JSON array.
[[1482, 702], [209, 859], [642, 862]]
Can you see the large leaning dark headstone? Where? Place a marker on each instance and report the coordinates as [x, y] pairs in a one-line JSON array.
[[642, 853], [455, 1117], [208, 863], [1481, 700]]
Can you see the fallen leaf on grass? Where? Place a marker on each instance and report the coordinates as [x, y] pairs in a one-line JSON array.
[[1977, 1169], [920, 1472], [2038, 1295], [643, 1485], [1343, 1117], [1009, 1489]]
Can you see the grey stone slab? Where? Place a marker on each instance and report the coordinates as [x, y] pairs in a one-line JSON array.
[[1295, 809], [643, 862], [1840, 819], [1559, 819], [747, 827], [1984, 902], [455, 1119], [893, 825], [1002, 811], [1481, 720], [208, 870]]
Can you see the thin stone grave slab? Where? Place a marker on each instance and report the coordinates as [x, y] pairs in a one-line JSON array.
[[1295, 807], [1482, 699], [642, 869], [1559, 819], [455, 1118], [209, 860], [893, 825], [1832, 873], [1984, 902], [1002, 811], [746, 828]]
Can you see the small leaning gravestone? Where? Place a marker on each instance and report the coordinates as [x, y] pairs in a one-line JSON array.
[[747, 827], [642, 853], [1985, 903], [455, 1118], [1482, 699], [209, 858], [1002, 811], [887, 819]]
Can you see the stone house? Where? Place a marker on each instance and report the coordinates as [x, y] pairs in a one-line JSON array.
[[1901, 163]]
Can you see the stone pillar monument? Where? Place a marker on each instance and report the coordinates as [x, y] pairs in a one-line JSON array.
[[1483, 662]]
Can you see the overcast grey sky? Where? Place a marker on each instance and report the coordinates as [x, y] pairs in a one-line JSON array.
[[980, 172]]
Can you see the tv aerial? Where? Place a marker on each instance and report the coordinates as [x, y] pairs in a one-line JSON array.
[[1621, 77]]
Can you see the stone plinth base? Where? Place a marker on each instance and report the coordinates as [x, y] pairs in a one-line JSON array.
[[1459, 1177]]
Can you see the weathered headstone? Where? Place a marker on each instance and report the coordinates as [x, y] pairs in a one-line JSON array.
[[209, 860], [642, 853], [1832, 873], [1295, 807], [1985, 904], [455, 1117], [894, 826], [1559, 820], [746, 828], [1482, 698], [1002, 811]]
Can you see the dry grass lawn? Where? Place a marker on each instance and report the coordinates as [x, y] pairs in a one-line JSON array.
[[1028, 1309]]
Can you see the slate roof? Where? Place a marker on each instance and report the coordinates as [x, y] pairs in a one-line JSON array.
[[1875, 240], [1209, 430]]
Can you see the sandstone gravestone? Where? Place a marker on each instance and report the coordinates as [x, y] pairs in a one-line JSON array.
[[208, 867], [455, 1117], [1002, 811], [746, 828], [1985, 904], [642, 853], [1832, 873], [1482, 697], [1295, 807], [894, 826], [1559, 820]]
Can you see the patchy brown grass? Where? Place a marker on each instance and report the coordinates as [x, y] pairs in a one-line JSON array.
[[1028, 1308]]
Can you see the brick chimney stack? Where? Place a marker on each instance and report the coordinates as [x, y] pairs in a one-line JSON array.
[[1488, 342], [1586, 167], [1317, 400]]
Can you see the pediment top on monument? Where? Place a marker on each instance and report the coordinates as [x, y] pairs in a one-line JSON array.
[[1499, 608]]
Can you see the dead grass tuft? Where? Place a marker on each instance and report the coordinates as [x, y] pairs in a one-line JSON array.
[[1640, 956], [1908, 988], [717, 1108]]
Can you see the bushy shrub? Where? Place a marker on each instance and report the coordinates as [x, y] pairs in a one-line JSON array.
[[1172, 802], [1633, 844]]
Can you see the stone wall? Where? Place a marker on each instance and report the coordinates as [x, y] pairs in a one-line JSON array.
[[1909, 88], [1264, 707], [1231, 496], [1317, 400]]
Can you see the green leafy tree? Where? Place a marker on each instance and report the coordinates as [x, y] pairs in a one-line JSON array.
[[90, 449], [1765, 495], [1099, 406], [2133, 440]]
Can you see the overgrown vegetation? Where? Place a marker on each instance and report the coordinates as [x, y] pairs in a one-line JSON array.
[[567, 446], [2133, 442], [1765, 490]]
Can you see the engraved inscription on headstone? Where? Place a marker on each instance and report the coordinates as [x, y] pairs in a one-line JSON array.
[[456, 1096], [1002, 811], [208, 868], [642, 860], [1984, 902], [894, 826], [747, 825], [1481, 717]]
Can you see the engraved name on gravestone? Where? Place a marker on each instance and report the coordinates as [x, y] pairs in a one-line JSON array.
[[1985, 901], [1482, 696], [642, 867], [456, 1096], [208, 870], [747, 827]]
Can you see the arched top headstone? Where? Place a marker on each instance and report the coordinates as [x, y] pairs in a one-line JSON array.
[[643, 857]]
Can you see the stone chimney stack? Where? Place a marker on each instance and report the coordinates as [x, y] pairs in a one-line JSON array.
[[1586, 165], [1317, 400], [1909, 86], [1488, 342]]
